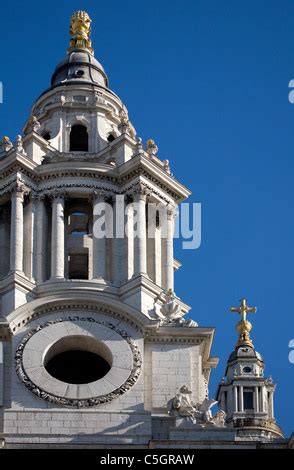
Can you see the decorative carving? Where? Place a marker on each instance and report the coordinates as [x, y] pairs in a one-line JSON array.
[[162, 191], [124, 119], [152, 148], [18, 188], [78, 306], [139, 191], [6, 144], [139, 146], [5, 331], [98, 98], [19, 145], [32, 125], [219, 419], [238, 371], [98, 196], [206, 373], [166, 166], [171, 311], [182, 406], [87, 402], [57, 193]]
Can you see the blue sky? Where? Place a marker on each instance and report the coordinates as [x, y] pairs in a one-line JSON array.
[[208, 80]]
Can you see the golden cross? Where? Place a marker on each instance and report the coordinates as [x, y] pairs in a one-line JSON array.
[[243, 310]]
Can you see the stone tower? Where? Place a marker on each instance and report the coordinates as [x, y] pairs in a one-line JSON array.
[[93, 343], [245, 394]]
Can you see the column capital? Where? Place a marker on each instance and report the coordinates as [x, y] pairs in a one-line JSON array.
[[19, 189], [36, 197], [57, 194], [171, 211], [140, 192], [98, 196], [112, 197]]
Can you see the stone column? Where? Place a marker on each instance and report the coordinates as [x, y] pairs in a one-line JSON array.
[[99, 238], [262, 395], [140, 247], [30, 238], [235, 398], [256, 398], [271, 405], [241, 397], [57, 243], [16, 236], [169, 249], [41, 225]]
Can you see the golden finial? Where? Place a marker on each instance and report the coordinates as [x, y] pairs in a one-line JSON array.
[[244, 326], [80, 31]]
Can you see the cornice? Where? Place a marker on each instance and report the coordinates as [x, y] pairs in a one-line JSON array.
[[123, 177], [16, 280], [88, 302]]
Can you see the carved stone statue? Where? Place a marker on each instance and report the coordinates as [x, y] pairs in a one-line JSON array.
[[182, 406], [123, 117], [32, 125], [219, 419], [171, 311], [6, 145], [152, 148], [19, 146], [166, 166]]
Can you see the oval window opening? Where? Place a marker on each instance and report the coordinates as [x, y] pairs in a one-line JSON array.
[[77, 367]]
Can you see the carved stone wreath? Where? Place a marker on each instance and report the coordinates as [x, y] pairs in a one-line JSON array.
[[79, 402]]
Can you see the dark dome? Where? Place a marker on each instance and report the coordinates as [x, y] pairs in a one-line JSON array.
[[244, 352], [79, 66]]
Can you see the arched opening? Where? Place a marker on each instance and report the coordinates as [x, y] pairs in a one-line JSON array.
[[78, 222], [79, 140], [78, 239]]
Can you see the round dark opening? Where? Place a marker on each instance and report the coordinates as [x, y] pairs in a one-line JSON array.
[[77, 367], [110, 138]]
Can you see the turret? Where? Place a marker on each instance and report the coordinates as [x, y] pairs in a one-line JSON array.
[[245, 394]]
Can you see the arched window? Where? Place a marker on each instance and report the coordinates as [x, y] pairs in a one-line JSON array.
[[78, 139]]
